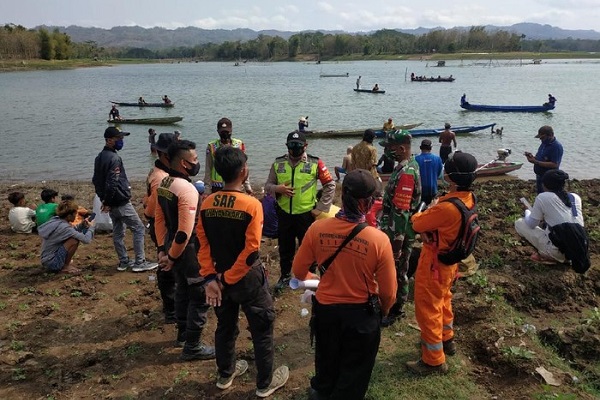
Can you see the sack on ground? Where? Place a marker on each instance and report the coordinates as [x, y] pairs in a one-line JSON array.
[[468, 234]]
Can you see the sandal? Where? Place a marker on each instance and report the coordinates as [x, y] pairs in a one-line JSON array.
[[538, 258]]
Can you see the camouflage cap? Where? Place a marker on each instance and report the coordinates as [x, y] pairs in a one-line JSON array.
[[396, 137]]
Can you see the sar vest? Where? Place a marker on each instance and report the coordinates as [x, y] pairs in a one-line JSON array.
[[214, 146], [303, 178]]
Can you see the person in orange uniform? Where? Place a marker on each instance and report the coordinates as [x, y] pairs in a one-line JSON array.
[[175, 220], [354, 292], [439, 227], [165, 279], [229, 230]]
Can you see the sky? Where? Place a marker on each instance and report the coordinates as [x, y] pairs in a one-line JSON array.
[[347, 15]]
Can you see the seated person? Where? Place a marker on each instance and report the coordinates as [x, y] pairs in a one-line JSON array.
[[554, 206], [60, 238], [45, 211], [166, 100], [388, 125], [388, 164], [346, 164], [376, 87], [82, 212], [303, 124], [113, 114], [141, 101], [21, 218]]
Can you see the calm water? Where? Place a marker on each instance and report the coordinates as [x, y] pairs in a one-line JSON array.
[[53, 121]]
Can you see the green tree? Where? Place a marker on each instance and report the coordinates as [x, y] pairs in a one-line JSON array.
[[47, 45]]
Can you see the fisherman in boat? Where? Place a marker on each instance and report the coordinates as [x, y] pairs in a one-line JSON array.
[[113, 114], [412, 76], [551, 101], [303, 124], [166, 99], [376, 88], [388, 125], [463, 99], [358, 82], [141, 101]]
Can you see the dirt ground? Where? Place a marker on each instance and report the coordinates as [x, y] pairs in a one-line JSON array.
[[101, 334]]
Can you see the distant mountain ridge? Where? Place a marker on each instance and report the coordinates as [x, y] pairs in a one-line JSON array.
[[160, 38]]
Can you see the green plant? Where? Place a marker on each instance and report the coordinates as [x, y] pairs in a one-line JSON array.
[[23, 307], [592, 317], [181, 376], [76, 293], [122, 296], [133, 350], [2, 305], [17, 345], [517, 352], [18, 374], [88, 277], [134, 282], [478, 279]]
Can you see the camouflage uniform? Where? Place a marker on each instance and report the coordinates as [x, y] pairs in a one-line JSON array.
[[401, 199]]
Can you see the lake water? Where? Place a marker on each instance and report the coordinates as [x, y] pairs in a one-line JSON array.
[[53, 121]]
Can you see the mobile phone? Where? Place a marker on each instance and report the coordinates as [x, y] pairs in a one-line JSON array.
[[91, 217], [525, 203]]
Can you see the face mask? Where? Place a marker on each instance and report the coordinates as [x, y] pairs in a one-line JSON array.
[[296, 149], [193, 171], [225, 137], [119, 144]]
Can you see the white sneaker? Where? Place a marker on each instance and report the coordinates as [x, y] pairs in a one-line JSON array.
[[144, 266], [280, 377], [241, 366], [124, 265]]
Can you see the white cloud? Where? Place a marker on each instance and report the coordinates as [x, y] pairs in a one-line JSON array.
[[325, 6]]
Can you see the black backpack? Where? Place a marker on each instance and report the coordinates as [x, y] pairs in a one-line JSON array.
[[464, 244]]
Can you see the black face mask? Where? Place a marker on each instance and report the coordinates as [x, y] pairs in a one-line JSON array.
[[193, 171], [296, 149], [225, 137]]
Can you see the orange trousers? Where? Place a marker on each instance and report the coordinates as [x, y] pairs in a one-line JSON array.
[[433, 307]]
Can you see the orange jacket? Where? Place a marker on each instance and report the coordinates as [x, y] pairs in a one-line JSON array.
[[364, 266], [152, 182], [229, 230]]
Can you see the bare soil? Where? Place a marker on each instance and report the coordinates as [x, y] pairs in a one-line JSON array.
[[101, 334]]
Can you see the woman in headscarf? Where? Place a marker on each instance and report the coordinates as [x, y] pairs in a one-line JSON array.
[[552, 207]]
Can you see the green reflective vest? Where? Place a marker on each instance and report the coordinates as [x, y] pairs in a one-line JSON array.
[[214, 146], [303, 178]]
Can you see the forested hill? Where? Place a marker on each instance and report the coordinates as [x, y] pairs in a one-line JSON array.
[[161, 38]]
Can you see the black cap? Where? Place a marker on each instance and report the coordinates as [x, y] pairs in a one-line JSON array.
[[545, 130], [426, 144], [224, 125], [296, 137], [359, 183], [163, 142], [113, 131], [461, 167]]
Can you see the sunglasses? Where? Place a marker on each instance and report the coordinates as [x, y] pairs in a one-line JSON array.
[[295, 145]]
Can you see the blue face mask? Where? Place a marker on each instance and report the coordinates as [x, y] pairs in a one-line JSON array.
[[119, 144]]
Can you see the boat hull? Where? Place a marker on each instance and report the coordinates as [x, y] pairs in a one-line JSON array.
[[369, 91], [498, 168], [489, 108], [147, 121], [335, 75], [161, 105], [342, 133], [446, 79], [459, 130]]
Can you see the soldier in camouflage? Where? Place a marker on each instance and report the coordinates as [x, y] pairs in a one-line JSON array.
[[401, 199]]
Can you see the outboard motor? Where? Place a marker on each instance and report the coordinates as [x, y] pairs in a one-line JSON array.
[[503, 154]]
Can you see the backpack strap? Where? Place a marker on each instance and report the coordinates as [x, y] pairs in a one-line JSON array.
[[355, 231], [573, 207]]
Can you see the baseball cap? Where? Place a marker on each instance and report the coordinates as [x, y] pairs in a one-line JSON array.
[[163, 142], [545, 130], [224, 125], [396, 137], [426, 144], [461, 167], [296, 137], [359, 183], [113, 131]]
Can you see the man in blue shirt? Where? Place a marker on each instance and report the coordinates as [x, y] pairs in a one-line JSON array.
[[430, 168], [548, 156]]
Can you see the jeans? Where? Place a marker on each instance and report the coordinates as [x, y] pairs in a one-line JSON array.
[[122, 217]]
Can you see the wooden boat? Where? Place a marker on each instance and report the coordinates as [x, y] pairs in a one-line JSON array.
[[483, 107], [163, 105], [147, 121], [458, 130], [334, 75], [432, 79], [353, 132], [369, 91], [497, 168]]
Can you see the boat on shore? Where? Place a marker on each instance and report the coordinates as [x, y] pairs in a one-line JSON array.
[[342, 133], [334, 75], [484, 107], [459, 130], [147, 121], [369, 91], [497, 168], [162, 105]]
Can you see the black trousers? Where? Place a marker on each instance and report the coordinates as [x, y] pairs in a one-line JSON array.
[[190, 300], [165, 280], [290, 228], [251, 293], [347, 340], [445, 152]]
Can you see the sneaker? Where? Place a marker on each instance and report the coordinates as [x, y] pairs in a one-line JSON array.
[[282, 283], [200, 352], [420, 368], [241, 366], [449, 347], [280, 377], [144, 266], [123, 265]]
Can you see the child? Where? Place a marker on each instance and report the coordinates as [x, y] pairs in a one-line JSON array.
[[45, 211], [60, 238], [82, 212], [22, 218], [439, 227]]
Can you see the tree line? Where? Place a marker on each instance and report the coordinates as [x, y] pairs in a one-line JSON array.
[[18, 42]]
